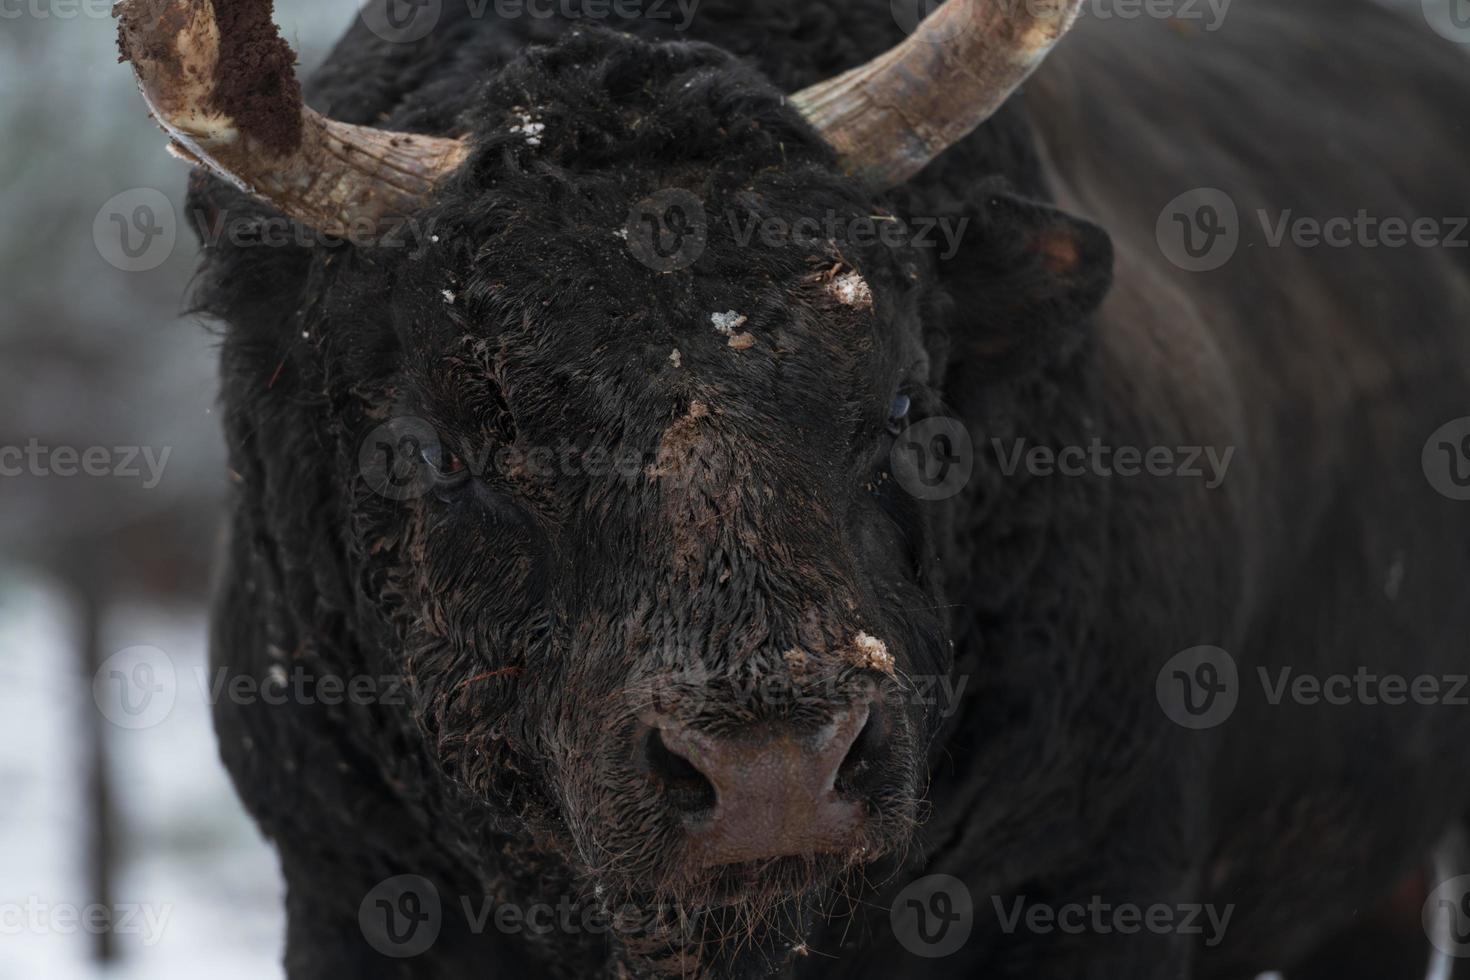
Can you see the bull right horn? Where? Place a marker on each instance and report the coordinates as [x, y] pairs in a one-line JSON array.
[[232, 104], [888, 118]]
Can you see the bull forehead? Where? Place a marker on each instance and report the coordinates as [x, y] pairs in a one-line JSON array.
[[741, 390], [766, 372], [718, 494], [728, 466]]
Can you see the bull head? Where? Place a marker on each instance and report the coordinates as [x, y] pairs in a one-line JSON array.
[[231, 103], [686, 682]]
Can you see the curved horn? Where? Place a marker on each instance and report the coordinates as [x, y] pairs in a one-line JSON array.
[[231, 103], [888, 118]]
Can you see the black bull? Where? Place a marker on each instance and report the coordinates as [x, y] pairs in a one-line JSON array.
[[1197, 724]]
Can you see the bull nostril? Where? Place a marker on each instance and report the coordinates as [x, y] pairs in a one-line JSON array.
[[687, 789], [858, 765]]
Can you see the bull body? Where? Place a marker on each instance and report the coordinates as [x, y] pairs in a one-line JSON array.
[[1056, 775]]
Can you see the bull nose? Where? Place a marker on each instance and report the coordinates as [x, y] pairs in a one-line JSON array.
[[765, 791]]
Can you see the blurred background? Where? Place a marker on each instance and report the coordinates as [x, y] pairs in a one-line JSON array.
[[112, 476]]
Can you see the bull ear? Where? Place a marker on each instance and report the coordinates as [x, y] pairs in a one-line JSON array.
[[1024, 280]]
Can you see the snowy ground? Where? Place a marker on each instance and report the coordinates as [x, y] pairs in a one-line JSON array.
[[201, 885], [77, 134]]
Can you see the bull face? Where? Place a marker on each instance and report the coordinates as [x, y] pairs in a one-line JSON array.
[[598, 454], [631, 522]]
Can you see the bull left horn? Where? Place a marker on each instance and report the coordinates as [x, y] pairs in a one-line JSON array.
[[232, 104]]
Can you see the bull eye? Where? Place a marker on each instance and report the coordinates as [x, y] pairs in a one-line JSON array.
[[446, 467], [899, 412]]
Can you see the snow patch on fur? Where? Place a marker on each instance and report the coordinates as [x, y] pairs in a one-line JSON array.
[[728, 322], [529, 126], [872, 653], [851, 289]]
